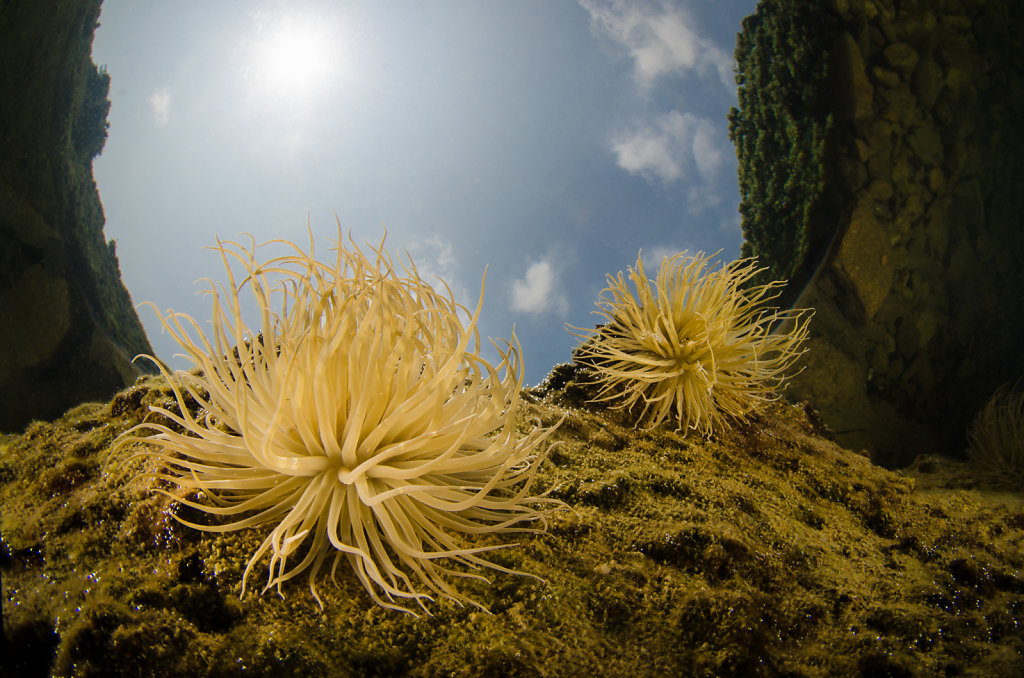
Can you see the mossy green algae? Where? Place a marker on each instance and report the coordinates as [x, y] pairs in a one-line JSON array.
[[766, 550]]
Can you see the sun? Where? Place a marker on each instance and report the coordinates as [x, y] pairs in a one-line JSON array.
[[294, 58]]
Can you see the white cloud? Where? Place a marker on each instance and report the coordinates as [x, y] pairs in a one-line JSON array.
[[675, 146], [435, 259], [653, 260], [731, 223], [647, 151], [536, 291], [160, 103], [707, 155], [661, 40]]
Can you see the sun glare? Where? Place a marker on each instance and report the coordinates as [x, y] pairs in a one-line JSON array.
[[293, 59], [296, 59]]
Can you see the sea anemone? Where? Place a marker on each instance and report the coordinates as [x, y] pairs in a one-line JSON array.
[[360, 422], [695, 344], [996, 441]]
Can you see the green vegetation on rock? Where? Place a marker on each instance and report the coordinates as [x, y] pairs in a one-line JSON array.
[[90, 126], [880, 164], [71, 328], [781, 130]]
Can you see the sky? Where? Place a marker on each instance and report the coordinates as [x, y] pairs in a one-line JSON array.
[[545, 142]]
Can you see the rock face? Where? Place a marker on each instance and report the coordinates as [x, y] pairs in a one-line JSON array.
[[67, 325], [918, 296]]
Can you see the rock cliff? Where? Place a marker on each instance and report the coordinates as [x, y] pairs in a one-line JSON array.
[[914, 225], [67, 325]]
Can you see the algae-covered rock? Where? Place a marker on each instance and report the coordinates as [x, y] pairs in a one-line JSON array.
[[62, 302], [851, 90], [901, 56], [766, 550], [909, 209]]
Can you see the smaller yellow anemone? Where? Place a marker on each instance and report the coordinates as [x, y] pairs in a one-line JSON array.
[[694, 345], [359, 423], [996, 441]]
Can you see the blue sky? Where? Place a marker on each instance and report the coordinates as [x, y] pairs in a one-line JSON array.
[[546, 141]]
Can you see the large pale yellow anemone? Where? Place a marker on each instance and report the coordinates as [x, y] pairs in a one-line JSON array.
[[359, 423], [695, 345]]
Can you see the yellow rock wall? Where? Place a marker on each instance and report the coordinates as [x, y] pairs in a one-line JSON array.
[[919, 297]]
